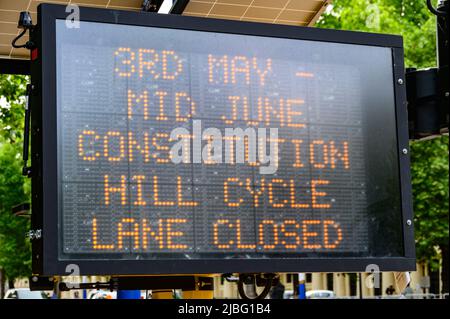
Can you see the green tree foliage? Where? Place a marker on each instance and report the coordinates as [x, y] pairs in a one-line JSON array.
[[12, 98], [429, 159], [15, 257], [410, 19], [430, 190]]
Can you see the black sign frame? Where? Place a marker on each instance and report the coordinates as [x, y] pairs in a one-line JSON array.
[[44, 151]]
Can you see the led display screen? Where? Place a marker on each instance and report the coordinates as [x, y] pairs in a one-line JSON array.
[[183, 144]]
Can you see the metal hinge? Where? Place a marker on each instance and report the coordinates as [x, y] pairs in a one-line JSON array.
[[34, 234]]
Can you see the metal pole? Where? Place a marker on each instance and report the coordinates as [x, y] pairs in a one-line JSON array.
[[443, 54], [360, 286]]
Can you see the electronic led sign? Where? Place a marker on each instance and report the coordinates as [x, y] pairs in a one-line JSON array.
[[174, 147]]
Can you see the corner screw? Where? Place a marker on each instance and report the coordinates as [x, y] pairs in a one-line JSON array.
[[400, 81], [409, 222], [405, 151]]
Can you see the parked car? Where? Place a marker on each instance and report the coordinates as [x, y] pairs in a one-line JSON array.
[[319, 294], [25, 293], [101, 294], [288, 294]]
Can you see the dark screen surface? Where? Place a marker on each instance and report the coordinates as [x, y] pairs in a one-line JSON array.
[[123, 91]]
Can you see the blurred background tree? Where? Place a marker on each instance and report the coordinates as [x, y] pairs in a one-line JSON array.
[[429, 159], [410, 19], [15, 253], [12, 101]]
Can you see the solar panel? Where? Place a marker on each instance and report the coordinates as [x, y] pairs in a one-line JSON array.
[[292, 12]]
